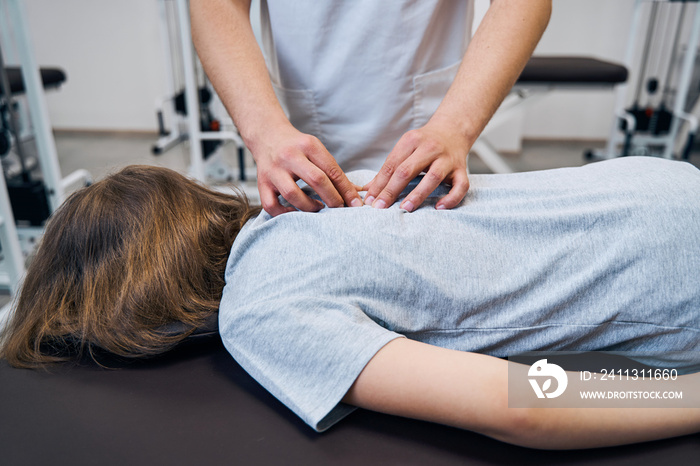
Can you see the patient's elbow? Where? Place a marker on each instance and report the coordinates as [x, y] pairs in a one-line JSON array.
[[528, 427]]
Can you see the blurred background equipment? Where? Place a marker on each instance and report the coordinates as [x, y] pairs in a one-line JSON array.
[[190, 109], [661, 118]]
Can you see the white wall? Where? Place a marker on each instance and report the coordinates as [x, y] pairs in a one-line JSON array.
[[597, 28], [111, 52]]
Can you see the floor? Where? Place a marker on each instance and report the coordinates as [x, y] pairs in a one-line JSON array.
[[103, 153]]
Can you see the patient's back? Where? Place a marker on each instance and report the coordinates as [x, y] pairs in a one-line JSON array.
[[604, 256], [574, 245]]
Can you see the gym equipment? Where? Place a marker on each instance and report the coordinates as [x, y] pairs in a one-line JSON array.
[[28, 197], [540, 76], [661, 103], [187, 87], [30, 193]]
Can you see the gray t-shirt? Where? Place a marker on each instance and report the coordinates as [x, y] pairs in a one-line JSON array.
[[604, 256]]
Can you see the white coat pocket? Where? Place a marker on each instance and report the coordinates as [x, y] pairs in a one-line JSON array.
[[428, 91], [300, 107]]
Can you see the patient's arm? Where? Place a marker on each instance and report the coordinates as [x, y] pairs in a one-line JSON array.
[[467, 390]]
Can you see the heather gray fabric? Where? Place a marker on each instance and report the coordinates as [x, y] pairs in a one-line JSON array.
[[605, 256]]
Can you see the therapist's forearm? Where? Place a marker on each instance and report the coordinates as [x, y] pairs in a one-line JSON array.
[[224, 40], [493, 61], [498, 52], [234, 63]]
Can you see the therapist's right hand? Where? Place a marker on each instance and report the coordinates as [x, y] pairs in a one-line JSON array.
[[288, 155]]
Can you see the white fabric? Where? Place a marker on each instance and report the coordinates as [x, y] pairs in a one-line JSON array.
[[358, 74]]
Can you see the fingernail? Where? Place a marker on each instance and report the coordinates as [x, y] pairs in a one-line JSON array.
[[369, 200], [379, 204], [357, 202], [440, 207], [408, 205]]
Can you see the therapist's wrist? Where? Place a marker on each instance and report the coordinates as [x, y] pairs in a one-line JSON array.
[[457, 127], [258, 132]]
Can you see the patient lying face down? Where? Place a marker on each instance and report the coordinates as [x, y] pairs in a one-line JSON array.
[[383, 309], [120, 261]]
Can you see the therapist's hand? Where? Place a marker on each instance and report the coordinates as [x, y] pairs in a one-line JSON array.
[[440, 150], [288, 155]]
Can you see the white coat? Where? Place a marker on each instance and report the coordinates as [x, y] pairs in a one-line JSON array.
[[358, 74]]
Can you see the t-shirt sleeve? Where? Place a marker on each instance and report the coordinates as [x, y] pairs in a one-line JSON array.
[[306, 351]]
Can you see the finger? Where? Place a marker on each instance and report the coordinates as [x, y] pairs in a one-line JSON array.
[[427, 185], [320, 183], [460, 186], [368, 186], [337, 184], [380, 180], [271, 203], [290, 191], [401, 152], [404, 174]]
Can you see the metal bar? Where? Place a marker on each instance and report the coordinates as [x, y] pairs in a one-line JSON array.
[[621, 91], [167, 106], [221, 135], [81, 176], [490, 157], [5, 33], [674, 54], [684, 81], [191, 94], [46, 146], [14, 120], [11, 247], [646, 51]]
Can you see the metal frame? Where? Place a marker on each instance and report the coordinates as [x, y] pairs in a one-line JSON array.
[[46, 147], [166, 107], [520, 97], [17, 242], [200, 169], [513, 103], [668, 141], [531, 93]]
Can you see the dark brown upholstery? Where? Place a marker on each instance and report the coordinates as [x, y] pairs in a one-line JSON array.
[[197, 406], [50, 77], [572, 70]]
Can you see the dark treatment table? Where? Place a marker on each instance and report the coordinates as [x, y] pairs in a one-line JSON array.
[[197, 406]]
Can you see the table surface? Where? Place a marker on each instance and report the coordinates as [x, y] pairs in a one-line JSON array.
[[197, 406]]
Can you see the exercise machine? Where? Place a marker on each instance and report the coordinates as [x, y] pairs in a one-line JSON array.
[[31, 187], [187, 112], [662, 98], [660, 121], [542, 75]]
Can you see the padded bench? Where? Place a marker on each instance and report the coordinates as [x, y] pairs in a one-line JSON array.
[[580, 71], [50, 77], [196, 405], [541, 75]]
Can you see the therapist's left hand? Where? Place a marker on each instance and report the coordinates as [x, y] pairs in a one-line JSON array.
[[440, 150]]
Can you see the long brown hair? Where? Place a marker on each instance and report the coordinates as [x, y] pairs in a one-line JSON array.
[[119, 260]]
